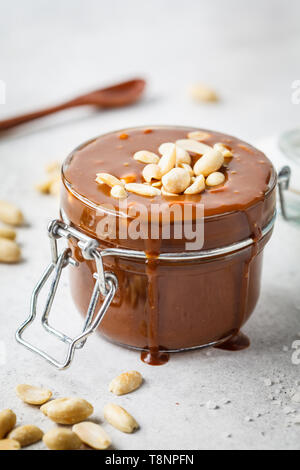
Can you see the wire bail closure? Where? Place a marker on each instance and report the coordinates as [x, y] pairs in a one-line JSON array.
[[284, 176], [106, 284]]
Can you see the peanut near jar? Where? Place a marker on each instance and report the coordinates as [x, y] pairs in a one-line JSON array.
[[166, 228]]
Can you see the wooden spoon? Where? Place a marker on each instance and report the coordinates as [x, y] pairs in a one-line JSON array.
[[115, 96]]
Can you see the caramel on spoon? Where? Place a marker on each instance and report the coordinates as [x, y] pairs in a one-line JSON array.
[[114, 96]]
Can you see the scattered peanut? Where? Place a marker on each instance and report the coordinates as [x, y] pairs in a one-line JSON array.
[[193, 146], [67, 410], [118, 192], [126, 383], [224, 150], [9, 444], [10, 214], [26, 435], [33, 395], [168, 160], [201, 92], [198, 135], [210, 162], [157, 184], [92, 434], [55, 188], [142, 189], [108, 179], [119, 418], [9, 251], [53, 167], [8, 421], [144, 156], [151, 171], [8, 233], [176, 181], [51, 185], [197, 187], [214, 179], [45, 186], [61, 439]]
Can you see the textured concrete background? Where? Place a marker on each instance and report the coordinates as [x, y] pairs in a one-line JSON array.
[[248, 51]]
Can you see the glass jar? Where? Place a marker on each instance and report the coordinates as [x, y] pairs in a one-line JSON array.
[[173, 299]]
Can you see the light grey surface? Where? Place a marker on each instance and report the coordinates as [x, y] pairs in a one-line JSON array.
[[248, 51]]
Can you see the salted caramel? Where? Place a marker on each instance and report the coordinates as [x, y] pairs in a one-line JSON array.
[[162, 305]]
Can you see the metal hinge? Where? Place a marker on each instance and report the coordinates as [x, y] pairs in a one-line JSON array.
[[106, 284]]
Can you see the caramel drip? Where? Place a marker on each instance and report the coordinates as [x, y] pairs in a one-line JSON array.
[[153, 356], [239, 340]]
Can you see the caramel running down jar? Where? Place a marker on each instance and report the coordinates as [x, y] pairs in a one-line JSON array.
[[166, 298]]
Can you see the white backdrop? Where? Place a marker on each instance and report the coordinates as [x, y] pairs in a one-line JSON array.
[[249, 52]]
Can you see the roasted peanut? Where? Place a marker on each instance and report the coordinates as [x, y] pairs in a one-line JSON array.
[[8, 421], [224, 150], [33, 395], [45, 186], [214, 179], [92, 434], [176, 181], [166, 193], [108, 179], [8, 233], [62, 439], [168, 160], [151, 171], [26, 435], [202, 92], [119, 418], [118, 192], [126, 382], [193, 146], [187, 167], [198, 135], [9, 444], [197, 186], [53, 167], [210, 162], [67, 410], [144, 156], [142, 189], [55, 188], [10, 214], [182, 156], [9, 251]]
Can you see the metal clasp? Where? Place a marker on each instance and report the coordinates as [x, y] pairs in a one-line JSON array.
[[284, 177], [106, 284]]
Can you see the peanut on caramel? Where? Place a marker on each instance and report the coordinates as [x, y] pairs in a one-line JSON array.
[[186, 166]]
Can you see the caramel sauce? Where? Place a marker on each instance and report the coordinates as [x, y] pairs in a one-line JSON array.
[[213, 299], [238, 342], [154, 358]]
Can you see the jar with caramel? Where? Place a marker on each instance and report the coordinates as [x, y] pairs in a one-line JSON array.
[[129, 237]]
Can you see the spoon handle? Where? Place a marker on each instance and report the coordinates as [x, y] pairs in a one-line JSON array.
[[16, 121]]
